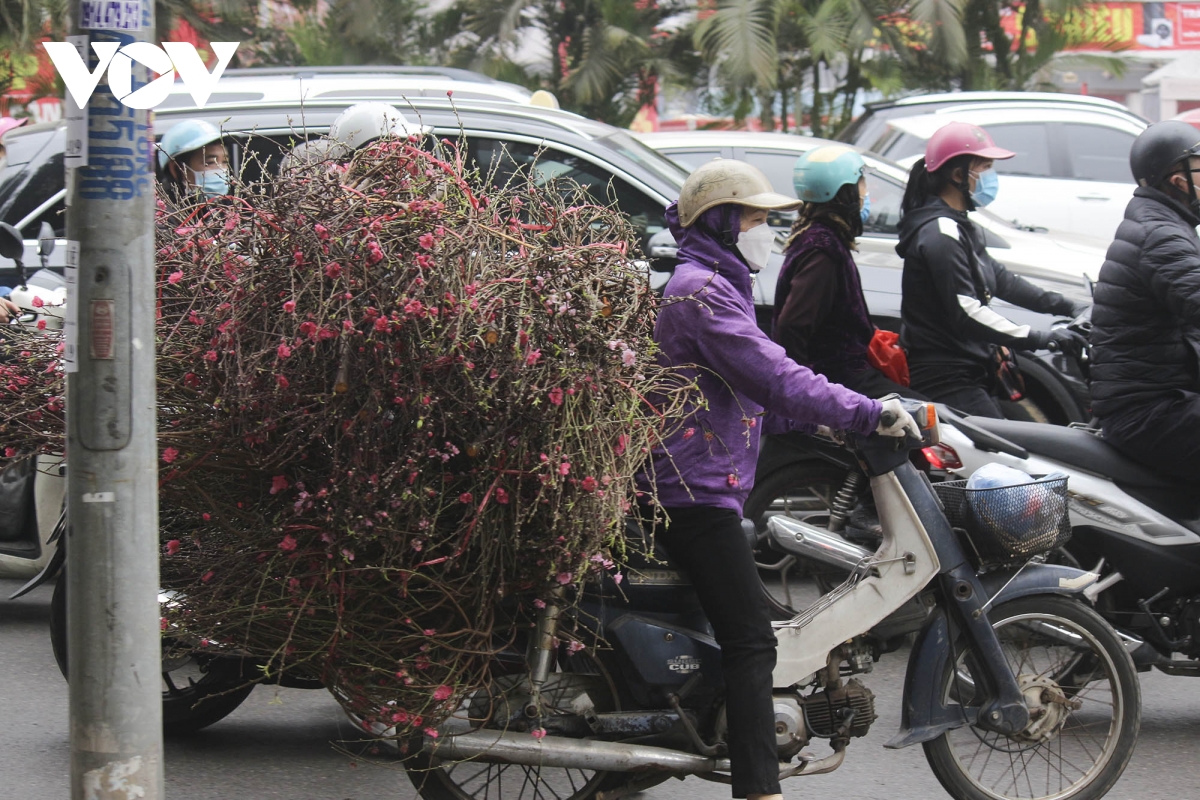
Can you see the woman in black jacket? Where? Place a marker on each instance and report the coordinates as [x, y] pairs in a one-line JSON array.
[[948, 327], [821, 316]]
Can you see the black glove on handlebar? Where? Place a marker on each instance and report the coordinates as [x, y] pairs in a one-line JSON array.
[[1062, 339]]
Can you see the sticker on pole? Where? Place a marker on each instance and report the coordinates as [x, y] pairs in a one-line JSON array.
[[102, 330], [110, 15], [71, 323], [76, 148]]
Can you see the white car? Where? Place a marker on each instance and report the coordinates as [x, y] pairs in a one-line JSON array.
[[295, 85], [1066, 260], [1071, 171]]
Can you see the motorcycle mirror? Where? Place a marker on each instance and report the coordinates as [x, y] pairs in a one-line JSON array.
[[45, 240], [12, 246]]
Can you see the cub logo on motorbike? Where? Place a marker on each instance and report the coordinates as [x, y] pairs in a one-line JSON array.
[[683, 664]]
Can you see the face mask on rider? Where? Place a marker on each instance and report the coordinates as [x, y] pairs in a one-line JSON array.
[[755, 245], [865, 211], [986, 186], [212, 182]]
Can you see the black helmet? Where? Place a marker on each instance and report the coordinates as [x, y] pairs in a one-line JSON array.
[[1160, 148]]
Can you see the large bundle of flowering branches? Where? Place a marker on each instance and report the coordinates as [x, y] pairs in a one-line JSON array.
[[394, 401]]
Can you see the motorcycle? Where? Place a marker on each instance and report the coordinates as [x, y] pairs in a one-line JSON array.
[[1014, 688], [32, 489], [1140, 532], [197, 691]]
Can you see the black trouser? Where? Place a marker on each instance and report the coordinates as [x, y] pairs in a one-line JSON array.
[[961, 386], [1164, 435], [709, 544]]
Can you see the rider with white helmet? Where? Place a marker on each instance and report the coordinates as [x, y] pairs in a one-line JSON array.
[[704, 470], [363, 123], [192, 159]]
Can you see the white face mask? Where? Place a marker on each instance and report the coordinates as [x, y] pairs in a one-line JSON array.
[[755, 245]]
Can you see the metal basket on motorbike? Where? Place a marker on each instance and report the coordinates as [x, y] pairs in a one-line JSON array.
[[1006, 524]]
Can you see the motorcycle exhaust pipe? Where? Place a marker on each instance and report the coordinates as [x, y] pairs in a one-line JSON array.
[[807, 541], [504, 747]]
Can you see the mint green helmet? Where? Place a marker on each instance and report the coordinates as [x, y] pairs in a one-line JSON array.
[[822, 171]]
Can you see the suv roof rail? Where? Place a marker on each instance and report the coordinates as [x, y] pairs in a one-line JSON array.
[[985, 96], [452, 73]]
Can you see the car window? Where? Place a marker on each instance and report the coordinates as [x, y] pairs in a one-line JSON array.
[[505, 161], [777, 166], [886, 195], [1030, 142], [646, 157], [694, 157], [1099, 153], [898, 145], [33, 177]]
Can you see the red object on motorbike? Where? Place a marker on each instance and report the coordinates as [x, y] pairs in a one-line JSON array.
[[942, 456], [886, 355]]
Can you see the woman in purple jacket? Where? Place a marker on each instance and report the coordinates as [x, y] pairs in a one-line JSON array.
[[705, 470]]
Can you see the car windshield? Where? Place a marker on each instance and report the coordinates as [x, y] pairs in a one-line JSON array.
[[652, 160]]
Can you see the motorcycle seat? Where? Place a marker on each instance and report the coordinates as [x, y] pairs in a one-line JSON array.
[[1079, 449]]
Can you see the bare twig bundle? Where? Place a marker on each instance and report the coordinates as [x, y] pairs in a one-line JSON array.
[[395, 403]]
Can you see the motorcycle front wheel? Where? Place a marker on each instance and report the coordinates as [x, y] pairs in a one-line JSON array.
[[197, 690], [1084, 700], [496, 707]]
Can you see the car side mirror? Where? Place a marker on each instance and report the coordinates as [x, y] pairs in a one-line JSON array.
[[45, 240], [662, 245], [12, 246]]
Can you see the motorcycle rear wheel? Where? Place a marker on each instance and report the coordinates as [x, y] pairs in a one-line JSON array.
[[1066, 649], [435, 779], [197, 691], [804, 491]]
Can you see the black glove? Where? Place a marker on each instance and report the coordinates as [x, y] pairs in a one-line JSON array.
[[1058, 339], [1078, 308]]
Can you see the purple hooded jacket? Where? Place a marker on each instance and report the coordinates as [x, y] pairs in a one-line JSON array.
[[708, 320]]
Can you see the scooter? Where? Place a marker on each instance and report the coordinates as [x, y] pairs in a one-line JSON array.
[[198, 690], [1015, 687], [32, 489], [1138, 530]]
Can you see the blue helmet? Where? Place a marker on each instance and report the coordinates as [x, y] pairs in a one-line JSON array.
[[822, 171], [189, 135]]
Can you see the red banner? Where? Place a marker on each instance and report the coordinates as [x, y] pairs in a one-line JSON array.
[[1124, 26]]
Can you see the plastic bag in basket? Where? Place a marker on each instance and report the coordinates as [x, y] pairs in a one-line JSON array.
[[1021, 513]]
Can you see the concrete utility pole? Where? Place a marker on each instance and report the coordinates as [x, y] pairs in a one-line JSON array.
[[112, 479]]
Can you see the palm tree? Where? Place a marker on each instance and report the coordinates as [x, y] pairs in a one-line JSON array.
[[1045, 30], [772, 48], [602, 58]]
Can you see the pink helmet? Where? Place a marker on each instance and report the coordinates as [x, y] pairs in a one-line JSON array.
[[957, 139], [8, 123]]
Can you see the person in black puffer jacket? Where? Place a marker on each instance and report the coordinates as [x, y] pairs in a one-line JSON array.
[[946, 323], [1145, 375]]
